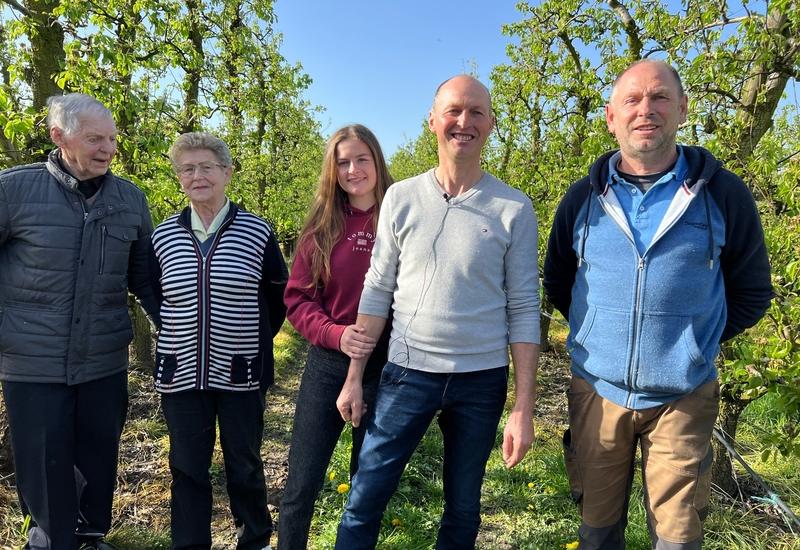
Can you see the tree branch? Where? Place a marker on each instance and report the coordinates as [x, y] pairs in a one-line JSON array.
[[19, 7], [631, 29], [573, 53]]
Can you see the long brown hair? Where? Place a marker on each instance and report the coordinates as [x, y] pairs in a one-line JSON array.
[[324, 224]]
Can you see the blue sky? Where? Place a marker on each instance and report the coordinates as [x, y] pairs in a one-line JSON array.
[[378, 62]]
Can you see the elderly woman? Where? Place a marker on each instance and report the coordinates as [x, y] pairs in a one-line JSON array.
[[220, 276]]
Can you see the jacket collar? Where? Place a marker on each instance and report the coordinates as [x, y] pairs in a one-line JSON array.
[[55, 167], [701, 167], [185, 217]]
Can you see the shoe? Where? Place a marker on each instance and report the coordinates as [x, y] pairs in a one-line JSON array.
[[98, 544]]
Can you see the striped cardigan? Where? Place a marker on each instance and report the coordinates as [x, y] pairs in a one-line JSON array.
[[219, 312]]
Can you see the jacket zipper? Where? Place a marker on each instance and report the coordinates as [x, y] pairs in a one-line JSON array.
[[202, 376], [204, 307], [103, 234], [637, 306]]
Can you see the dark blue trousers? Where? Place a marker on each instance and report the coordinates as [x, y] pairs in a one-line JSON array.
[[192, 418], [65, 441]]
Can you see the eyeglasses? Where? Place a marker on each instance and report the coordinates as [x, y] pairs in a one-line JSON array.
[[204, 169]]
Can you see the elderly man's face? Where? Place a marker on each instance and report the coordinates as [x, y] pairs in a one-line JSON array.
[[88, 151], [645, 112], [461, 118]]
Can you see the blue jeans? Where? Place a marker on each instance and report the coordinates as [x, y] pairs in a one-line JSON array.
[[317, 427], [469, 405]]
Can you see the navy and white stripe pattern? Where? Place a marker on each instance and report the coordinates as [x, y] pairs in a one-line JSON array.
[[210, 333]]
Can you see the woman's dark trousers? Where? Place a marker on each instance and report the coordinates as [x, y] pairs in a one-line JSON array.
[[317, 427], [191, 419]]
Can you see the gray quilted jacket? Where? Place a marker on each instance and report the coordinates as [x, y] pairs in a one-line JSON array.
[[65, 270]]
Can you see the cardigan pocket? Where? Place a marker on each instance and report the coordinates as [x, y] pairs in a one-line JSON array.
[[166, 365], [246, 370]]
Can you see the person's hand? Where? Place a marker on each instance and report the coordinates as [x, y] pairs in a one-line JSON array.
[[350, 403], [355, 343], [517, 437]]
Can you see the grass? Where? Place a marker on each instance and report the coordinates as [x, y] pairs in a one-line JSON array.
[[525, 508]]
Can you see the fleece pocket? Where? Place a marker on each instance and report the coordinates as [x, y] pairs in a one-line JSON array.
[[669, 356]]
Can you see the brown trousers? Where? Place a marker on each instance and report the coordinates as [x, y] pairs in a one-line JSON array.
[[675, 441]]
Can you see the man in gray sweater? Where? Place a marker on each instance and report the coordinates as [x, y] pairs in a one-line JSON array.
[[455, 259]]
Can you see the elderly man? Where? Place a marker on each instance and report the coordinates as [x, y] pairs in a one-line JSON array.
[[455, 259], [655, 258], [73, 239]]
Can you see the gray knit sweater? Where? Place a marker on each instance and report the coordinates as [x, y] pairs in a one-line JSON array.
[[460, 274]]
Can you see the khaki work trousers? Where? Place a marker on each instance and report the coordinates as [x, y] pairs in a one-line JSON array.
[[675, 440]]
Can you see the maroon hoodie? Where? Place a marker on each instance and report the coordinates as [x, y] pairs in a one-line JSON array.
[[320, 314]]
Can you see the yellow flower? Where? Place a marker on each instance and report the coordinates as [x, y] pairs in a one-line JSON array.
[[531, 485], [396, 522], [343, 488], [572, 545], [332, 476]]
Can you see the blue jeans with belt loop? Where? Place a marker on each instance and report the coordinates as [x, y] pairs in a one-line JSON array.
[[469, 405]]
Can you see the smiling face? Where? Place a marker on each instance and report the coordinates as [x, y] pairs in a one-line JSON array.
[[461, 118], [356, 172], [202, 177], [644, 113], [87, 152]]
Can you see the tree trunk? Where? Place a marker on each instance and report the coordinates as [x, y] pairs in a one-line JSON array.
[[47, 50], [141, 349], [190, 121], [722, 474], [766, 82], [6, 462]]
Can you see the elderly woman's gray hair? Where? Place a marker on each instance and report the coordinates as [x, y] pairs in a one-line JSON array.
[[66, 111], [192, 141]]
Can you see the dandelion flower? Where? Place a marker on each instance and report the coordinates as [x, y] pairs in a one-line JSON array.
[[572, 545], [332, 476], [396, 522], [531, 485], [343, 488]]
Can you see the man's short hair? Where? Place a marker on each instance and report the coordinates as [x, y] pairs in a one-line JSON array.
[[440, 86], [664, 64], [194, 141], [66, 111]]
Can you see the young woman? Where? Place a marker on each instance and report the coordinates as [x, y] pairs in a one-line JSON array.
[[322, 297]]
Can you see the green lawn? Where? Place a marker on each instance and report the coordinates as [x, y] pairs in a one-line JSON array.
[[527, 507]]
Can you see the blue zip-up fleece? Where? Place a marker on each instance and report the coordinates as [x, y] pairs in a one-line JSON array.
[[645, 329]]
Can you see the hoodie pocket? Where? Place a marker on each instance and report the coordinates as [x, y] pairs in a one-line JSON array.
[[669, 359], [601, 342]]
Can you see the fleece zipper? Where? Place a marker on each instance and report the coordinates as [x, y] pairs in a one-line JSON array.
[[611, 206]]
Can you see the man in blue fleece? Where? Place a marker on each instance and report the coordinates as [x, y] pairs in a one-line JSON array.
[[455, 259], [655, 258]]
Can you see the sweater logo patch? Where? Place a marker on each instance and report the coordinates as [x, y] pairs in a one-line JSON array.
[[362, 241]]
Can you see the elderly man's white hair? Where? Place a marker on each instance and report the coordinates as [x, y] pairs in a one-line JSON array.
[[66, 111]]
